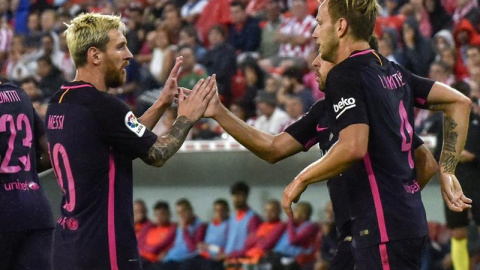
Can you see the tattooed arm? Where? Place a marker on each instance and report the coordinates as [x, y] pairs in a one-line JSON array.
[[189, 110], [456, 108], [168, 144]]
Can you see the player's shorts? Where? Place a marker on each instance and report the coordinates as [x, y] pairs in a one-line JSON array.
[[403, 254], [26, 250], [343, 257], [461, 219]]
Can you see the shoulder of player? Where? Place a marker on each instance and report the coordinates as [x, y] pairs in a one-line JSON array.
[[344, 72]]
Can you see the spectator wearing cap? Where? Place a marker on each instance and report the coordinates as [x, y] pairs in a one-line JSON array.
[[292, 84], [244, 32], [242, 224], [271, 119]]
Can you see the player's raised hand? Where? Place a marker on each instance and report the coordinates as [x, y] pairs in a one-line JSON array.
[[452, 193], [292, 194], [196, 103], [170, 88], [214, 105]]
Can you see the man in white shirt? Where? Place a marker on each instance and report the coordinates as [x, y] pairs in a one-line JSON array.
[[271, 119]]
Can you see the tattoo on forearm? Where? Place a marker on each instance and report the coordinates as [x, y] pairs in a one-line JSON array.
[[449, 136], [166, 146], [448, 162]]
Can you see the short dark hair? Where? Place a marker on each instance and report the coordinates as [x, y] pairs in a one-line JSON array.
[[185, 46], [442, 64], [240, 188], [45, 59], [222, 202], [462, 87], [294, 73], [139, 201], [184, 202], [308, 208], [162, 205], [237, 3], [30, 79], [220, 29]]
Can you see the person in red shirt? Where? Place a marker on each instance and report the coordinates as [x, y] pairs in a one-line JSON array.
[[159, 238], [267, 233], [142, 223]]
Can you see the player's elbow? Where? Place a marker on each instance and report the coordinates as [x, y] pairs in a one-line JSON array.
[[356, 151]]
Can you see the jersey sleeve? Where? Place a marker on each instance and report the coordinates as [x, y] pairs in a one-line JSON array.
[[345, 95], [420, 86], [121, 128], [303, 130]]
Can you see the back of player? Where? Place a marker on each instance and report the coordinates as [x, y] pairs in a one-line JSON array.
[[26, 220], [386, 204], [93, 138]]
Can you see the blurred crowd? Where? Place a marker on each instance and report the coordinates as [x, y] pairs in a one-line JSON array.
[[242, 238], [260, 50]]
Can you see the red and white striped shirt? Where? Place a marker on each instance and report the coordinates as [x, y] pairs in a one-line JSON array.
[[6, 36], [293, 26]]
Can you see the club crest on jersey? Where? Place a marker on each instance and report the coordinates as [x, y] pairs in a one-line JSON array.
[[132, 123], [343, 105]]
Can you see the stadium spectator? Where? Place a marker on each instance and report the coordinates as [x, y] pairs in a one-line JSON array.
[[296, 245], [244, 32], [294, 35], [136, 30], [51, 78], [294, 108], [239, 109], [16, 66], [188, 36], [140, 218], [65, 61], [439, 17], [220, 59], [441, 72], [292, 84], [190, 71], [255, 81], [48, 21], [465, 35], [210, 250], [329, 240], [473, 56], [34, 36], [163, 56], [172, 21], [6, 35], [190, 231], [387, 49], [30, 85], [443, 40], [418, 53], [269, 47], [159, 237], [271, 119], [267, 234], [242, 224]]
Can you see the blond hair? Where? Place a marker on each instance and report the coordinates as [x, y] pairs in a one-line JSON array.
[[360, 15], [90, 30]]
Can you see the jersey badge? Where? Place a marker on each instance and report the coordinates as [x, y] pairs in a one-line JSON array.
[[132, 123]]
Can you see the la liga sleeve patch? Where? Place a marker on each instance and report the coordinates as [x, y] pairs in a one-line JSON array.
[[132, 123]]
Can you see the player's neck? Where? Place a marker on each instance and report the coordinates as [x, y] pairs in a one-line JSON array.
[[347, 46], [92, 77]]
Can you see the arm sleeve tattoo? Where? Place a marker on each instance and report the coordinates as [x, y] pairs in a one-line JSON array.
[[167, 145], [449, 160]]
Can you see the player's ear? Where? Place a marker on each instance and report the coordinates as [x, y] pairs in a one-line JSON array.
[[93, 55], [342, 27]]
